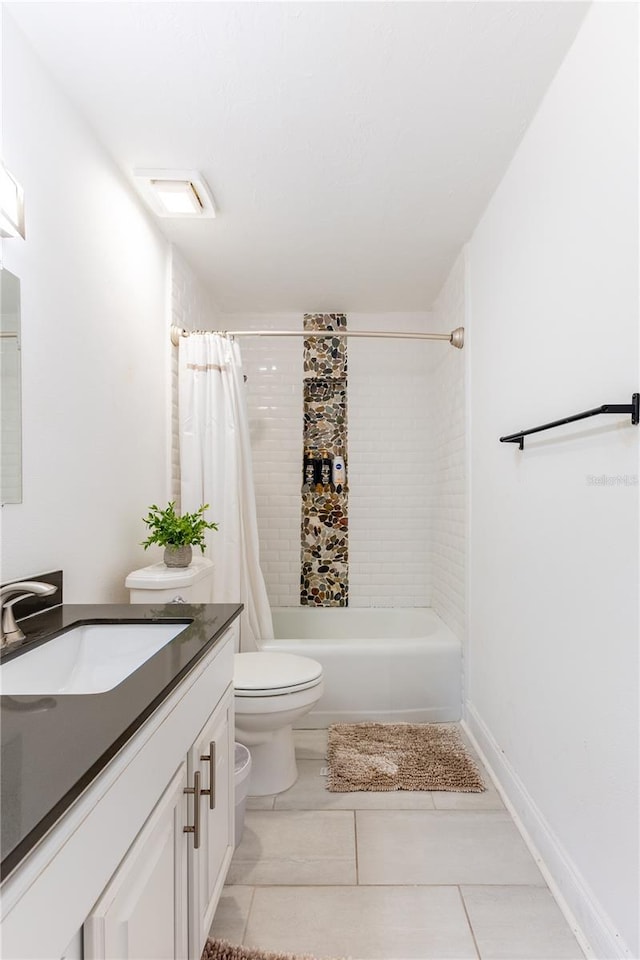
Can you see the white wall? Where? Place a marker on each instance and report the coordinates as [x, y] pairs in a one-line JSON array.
[[93, 273], [553, 607]]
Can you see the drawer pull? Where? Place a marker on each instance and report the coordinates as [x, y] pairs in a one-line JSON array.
[[196, 792], [211, 757]]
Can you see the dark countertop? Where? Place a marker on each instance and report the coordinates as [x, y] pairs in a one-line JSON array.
[[53, 747]]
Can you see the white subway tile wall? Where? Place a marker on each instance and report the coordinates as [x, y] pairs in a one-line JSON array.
[[388, 458], [191, 309], [446, 403], [389, 467]]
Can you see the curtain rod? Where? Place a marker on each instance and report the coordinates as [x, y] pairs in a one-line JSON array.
[[455, 338]]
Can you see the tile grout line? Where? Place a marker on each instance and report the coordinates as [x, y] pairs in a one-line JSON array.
[[466, 913], [254, 885], [355, 843], [246, 923]]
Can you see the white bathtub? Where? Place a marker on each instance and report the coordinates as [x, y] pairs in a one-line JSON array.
[[391, 665]]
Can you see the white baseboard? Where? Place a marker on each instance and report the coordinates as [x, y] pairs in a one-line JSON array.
[[589, 922]]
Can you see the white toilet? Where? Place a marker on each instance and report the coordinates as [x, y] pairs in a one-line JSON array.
[[272, 690]]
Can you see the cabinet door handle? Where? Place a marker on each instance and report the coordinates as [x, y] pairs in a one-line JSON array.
[[196, 791], [211, 757]]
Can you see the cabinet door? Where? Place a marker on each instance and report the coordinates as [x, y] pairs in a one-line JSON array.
[[142, 913], [209, 863]]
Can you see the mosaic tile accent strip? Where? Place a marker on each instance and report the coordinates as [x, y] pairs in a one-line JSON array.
[[324, 576]]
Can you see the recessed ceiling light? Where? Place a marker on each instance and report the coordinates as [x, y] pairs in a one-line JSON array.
[[11, 205], [177, 196], [175, 193]]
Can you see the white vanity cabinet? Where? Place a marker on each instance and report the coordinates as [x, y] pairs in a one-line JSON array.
[[160, 903], [142, 914], [212, 754], [119, 863]]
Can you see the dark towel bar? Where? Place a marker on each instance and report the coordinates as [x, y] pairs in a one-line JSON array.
[[633, 408]]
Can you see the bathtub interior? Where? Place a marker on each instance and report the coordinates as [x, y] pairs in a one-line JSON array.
[[389, 665]]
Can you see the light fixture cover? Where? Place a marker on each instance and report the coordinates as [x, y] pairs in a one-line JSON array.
[[176, 193], [11, 205]]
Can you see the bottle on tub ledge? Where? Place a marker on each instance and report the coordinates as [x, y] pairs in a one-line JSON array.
[[338, 473]]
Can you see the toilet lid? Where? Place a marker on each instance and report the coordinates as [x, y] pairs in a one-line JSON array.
[[263, 674]]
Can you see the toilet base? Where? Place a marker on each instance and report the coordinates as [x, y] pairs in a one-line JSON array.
[[273, 760]]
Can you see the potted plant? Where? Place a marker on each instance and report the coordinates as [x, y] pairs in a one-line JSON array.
[[177, 534]]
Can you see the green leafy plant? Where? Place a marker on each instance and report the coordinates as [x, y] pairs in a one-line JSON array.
[[169, 529]]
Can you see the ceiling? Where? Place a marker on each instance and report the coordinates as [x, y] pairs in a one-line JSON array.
[[351, 147]]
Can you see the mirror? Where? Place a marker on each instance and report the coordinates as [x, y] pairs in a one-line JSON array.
[[10, 394]]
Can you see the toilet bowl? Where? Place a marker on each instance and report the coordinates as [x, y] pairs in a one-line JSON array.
[[273, 691]]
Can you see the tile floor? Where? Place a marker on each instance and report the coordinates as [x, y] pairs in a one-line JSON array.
[[387, 876]]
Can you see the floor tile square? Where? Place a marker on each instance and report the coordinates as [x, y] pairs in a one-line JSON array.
[[305, 847], [441, 847], [519, 923], [362, 923]]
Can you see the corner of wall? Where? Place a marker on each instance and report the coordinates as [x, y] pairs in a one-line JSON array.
[[447, 404]]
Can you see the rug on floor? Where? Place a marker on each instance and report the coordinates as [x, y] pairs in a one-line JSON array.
[[399, 756], [221, 950]]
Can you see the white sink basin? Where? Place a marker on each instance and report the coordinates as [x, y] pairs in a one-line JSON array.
[[89, 658]]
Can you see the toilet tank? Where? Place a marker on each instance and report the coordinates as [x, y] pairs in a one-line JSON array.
[[159, 583]]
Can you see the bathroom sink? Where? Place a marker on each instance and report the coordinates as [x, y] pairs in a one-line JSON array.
[[89, 658]]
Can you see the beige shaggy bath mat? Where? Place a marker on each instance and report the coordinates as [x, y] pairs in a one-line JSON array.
[[399, 756], [221, 950]]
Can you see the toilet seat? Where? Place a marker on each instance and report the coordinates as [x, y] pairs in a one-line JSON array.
[[264, 674]]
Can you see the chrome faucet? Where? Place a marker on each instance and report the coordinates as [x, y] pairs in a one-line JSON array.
[[11, 632]]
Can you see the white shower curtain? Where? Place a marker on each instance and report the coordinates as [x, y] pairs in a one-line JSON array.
[[215, 468]]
